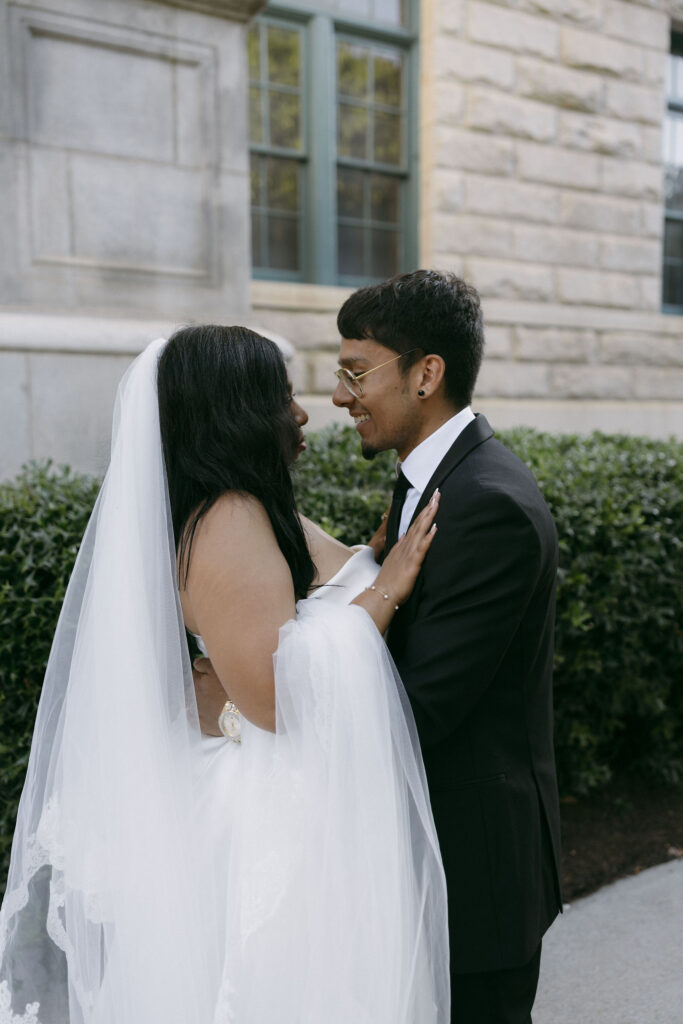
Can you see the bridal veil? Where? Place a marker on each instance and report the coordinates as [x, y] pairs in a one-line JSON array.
[[328, 902]]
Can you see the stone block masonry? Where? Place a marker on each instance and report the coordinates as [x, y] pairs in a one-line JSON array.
[[555, 118], [555, 203], [124, 177]]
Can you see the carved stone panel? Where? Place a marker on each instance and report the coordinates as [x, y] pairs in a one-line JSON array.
[[118, 161], [120, 151]]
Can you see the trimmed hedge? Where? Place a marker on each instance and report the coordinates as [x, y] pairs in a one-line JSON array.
[[618, 505], [43, 515]]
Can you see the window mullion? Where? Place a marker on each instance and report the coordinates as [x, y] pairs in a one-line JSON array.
[[321, 252]]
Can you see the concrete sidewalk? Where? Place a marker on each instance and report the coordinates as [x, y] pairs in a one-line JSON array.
[[616, 957]]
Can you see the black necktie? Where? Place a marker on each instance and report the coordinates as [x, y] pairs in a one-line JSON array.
[[394, 520]]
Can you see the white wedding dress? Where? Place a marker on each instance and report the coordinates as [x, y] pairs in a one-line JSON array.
[[160, 876]]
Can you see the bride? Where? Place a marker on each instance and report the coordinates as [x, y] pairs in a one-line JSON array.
[[160, 876]]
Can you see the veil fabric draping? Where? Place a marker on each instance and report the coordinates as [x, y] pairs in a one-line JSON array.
[[308, 888]]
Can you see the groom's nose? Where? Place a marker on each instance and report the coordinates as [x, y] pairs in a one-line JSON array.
[[341, 396]]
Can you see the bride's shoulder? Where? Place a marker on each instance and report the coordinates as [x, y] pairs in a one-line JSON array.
[[237, 509], [232, 530]]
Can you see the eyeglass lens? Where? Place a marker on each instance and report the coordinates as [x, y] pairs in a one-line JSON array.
[[349, 381]]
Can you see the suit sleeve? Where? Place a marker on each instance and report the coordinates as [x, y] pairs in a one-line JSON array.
[[478, 579]]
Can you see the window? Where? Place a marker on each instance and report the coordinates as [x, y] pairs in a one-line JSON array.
[[370, 160], [278, 150], [330, 128], [673, 182]]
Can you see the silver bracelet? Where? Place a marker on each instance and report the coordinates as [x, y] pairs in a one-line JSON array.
[[385, 596]]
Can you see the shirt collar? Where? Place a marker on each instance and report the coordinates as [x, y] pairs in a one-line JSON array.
[[419, 466]]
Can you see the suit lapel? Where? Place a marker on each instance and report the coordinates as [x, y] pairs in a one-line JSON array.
[[474, 434]]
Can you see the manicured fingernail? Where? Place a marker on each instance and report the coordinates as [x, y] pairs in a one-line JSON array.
[[433, 529], [435, 495]]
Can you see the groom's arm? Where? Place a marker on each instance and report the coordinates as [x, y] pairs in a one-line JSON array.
[[479, 577]]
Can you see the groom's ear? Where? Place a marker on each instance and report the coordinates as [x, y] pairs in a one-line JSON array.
[[432, 376]]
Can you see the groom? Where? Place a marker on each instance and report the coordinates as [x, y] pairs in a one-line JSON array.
[[474, 642]]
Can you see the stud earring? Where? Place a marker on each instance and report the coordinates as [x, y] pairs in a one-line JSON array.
[[421, 392]]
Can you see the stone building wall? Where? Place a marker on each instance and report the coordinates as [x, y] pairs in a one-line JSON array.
[[541, 182], [125, 202], [125, 207]]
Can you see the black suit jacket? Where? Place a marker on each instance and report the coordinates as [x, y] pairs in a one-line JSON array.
[[474, 648]]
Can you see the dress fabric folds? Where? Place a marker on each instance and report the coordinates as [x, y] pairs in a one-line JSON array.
[[159, 875]]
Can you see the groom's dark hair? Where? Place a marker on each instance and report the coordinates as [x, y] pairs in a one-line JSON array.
[[433, 311]]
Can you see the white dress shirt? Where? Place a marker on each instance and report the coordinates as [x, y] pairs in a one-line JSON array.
[[419, 466]]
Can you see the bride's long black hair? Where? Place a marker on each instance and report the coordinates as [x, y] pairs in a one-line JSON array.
[[227, 425]]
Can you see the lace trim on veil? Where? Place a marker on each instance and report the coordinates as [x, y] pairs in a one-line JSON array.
[[6, 1015], [38, 856], [43, 849]]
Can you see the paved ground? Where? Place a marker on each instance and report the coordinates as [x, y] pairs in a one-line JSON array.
[[616, 957]]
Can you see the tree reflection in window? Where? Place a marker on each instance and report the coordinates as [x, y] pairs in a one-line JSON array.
[[673, 182], [328, 129], [370, 108], [276, 134], [371, 159]]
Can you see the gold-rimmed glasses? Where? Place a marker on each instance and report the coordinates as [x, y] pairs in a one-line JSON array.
[[351, 380]]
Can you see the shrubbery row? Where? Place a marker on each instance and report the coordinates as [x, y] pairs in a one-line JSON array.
[[618, 505]]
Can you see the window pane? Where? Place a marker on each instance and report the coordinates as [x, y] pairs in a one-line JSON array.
[[284, 57], [257, 255], [353, 131], [275, 221], [673, 284], [384, 199], [384, 253], [253, 50], [254, 174], [255, 115], [388, 138], [285, 121], [673, 240], [675, 77], [283, 243], [352, 70], [282, 185], [673, 188], [349, 193], [350, 251], [388, 74], [673, 139]]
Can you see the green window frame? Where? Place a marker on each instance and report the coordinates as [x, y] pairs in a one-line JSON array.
[[672, 269], [371, 159], [334, 202], [278, 134]]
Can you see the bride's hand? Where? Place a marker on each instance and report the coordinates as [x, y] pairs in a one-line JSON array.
[[379, 537], [401, 566]]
